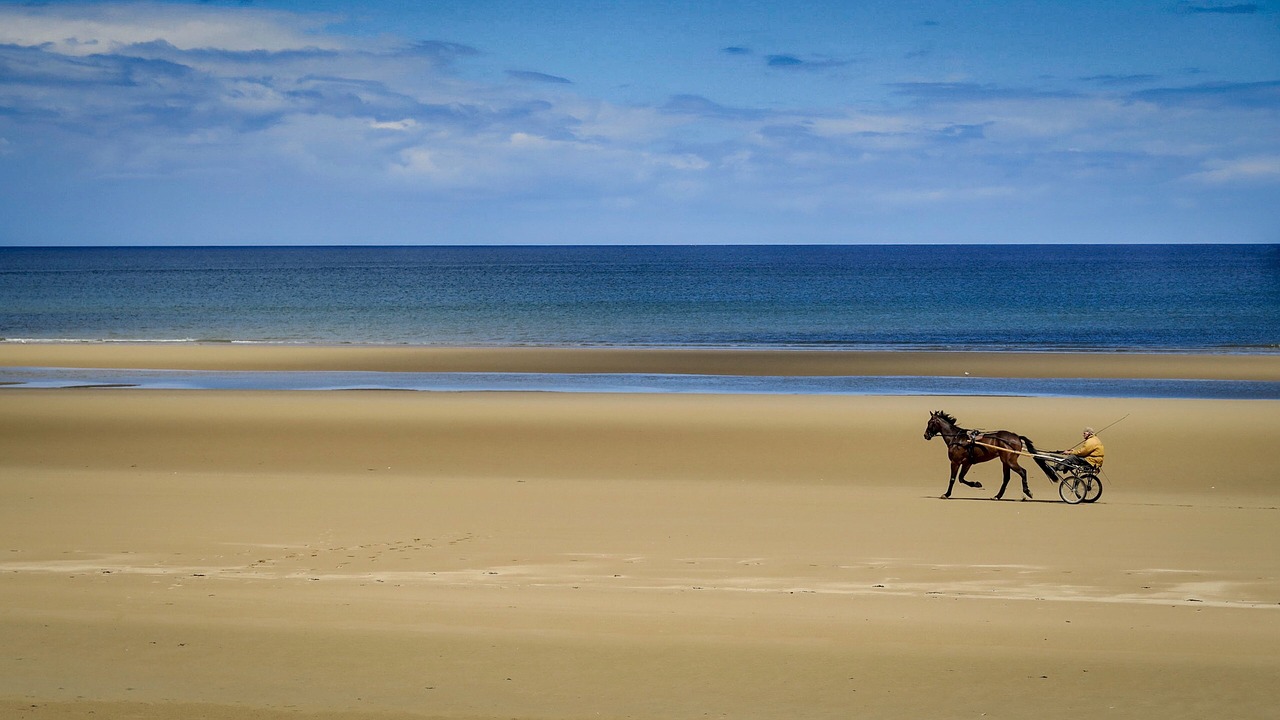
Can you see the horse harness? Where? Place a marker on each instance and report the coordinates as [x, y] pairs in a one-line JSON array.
[[971, 436], [970, 441]]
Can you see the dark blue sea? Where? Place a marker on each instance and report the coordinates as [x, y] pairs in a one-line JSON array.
[[1218, 298], [1046, 298]]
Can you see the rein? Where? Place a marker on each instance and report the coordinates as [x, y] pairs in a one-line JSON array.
[[1019, 452]]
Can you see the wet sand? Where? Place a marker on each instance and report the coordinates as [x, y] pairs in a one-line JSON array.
[[229, 356], [170, 554]]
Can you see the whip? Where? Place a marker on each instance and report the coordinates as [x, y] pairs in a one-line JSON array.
[[1099, 432], [1044, 455]]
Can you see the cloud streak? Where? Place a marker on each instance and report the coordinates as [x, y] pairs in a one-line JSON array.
[[537, 77], [1236, 9], [1239, 170], [793, 62], [79, 30]]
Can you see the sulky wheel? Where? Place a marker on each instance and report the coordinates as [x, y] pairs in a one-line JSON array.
[[1093, 487], [1072, 489]]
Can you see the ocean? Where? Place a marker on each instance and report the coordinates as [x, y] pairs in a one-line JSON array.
[[1214, 298], [1219, 298]]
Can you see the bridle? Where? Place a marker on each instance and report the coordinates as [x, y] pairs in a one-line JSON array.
[[946, 437]]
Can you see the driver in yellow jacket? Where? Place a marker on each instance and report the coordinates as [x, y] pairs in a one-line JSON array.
[[1090, 449]]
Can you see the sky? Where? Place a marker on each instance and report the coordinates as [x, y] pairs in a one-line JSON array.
[[483, 122]]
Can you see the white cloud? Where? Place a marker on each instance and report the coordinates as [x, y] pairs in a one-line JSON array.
[[525, 140], [418, 161], [253, 97], [860, 123], [930, 196], [80, 30], [401, 125], [1251, 169], [685, 162], [608, 122]]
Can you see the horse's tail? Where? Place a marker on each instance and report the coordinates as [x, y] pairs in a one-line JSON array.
[[1044, 464]]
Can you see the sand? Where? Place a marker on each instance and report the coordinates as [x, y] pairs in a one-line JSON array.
[[232, 356], [177, 554]]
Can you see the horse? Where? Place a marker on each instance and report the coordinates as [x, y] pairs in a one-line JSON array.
[[964, 450]]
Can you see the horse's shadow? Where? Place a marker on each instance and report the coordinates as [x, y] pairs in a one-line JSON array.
[[991, 499]]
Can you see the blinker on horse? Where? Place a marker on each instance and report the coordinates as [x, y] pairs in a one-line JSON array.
[[966, 448]]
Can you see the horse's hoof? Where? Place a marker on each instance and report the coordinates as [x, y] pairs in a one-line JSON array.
[[977, 484], [946, 497]]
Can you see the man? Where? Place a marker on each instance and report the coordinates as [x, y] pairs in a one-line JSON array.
[[1089, 449]]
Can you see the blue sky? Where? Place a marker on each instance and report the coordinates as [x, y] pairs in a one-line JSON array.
[[488, 122]]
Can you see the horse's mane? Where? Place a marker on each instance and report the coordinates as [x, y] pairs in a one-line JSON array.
[[945, 416]]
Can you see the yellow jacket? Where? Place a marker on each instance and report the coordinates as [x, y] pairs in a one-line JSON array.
[[1091, 450]]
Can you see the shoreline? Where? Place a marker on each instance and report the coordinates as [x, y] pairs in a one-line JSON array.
[[18, 379], [676, 361]]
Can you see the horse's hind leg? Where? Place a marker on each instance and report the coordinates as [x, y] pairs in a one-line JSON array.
[[1025, 487], [1004, 484]]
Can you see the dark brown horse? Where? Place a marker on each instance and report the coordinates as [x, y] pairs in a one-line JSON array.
[[966, 448]]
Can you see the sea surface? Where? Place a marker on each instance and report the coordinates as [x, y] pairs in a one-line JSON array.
[[1217, 298], [1090, 298]]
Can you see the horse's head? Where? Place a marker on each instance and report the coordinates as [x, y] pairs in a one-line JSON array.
[[939, 422], [932, 428]]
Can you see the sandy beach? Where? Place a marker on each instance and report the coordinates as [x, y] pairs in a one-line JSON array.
[[233, 356], [360, 554]]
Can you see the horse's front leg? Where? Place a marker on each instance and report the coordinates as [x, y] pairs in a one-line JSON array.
[[964, 469], [952, 483]]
